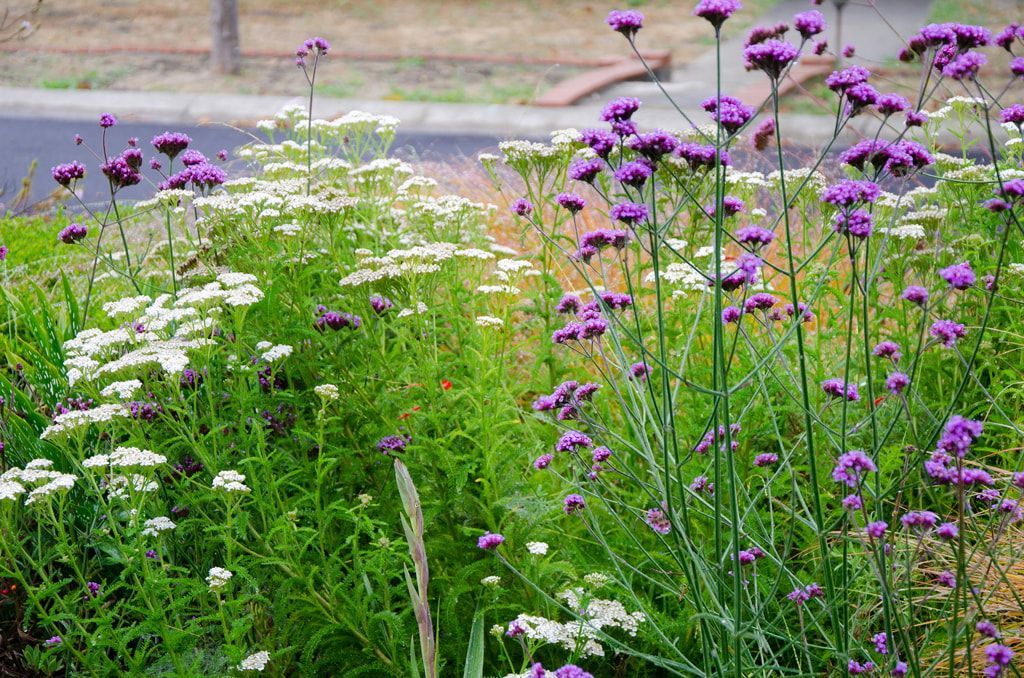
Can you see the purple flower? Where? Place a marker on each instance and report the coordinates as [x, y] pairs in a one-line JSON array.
[[53, 641], [701, 157], [634, 173], [572, 671], [959, 434], [716, 11], [766, 459], [192, 157], [731, 314], [900, 670], [629, 213], [947, 531], [856, 224], [876, 530], [754, 235], [337, 321], [107, 120], [93, 587], [947, 579], [1008, 35], [620, 109], [770, 56], [759, 301], [731, 206], [896, 382], [658, 521], [653, 145], [881, 641], [861, 96], [924, 519], [855, 668], [600, 141], [849, 51], [72, 233], [701, 484], [490, 541], [729, 111], [850, 466], [1011, 190], [987, 629], [615, 300], [569, 303], [836, 388], [763, 134], [3, 257], [543, 461], [809, 23], [570, 440], [916, 118], [797, 596], [522, 207], [889, 104], [222, 154], [151, 554], [965, 66], [851, 192], [853, 502], [1000, 655], [171, 143], [585, 170], [959, 276], [840, 81], [639, 371], [68, 172], [380, 304], [573, 503], [627, 22], [915, 294], [947, 331], [1017, 67], [761, 33], [389, 444], [601, 454], [570, 201], [887, 349]]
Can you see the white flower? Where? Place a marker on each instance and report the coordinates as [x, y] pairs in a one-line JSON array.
[[596, 579], [278, 352], [537, 548], [154, 526], [255, 662], [489, 321], [118, 485], [10, 489], [58, 482], [230, 481], [328, 392], [218, 578], [123, 390], [492, 580], [126, 305], [69, 421]]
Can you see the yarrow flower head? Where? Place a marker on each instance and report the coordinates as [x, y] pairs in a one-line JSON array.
[[255, 662], [218, 578]]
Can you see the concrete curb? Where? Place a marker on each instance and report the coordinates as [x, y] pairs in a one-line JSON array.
[[500, 121]]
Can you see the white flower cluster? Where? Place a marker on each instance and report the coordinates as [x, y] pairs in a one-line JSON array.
[[76, 419], [218, 578], [125, 457], [489, 321], [537, 548], [328, 392], [154, 526], [255, 662], [122, 390], [230, 481], [39, 475], [123, 486]]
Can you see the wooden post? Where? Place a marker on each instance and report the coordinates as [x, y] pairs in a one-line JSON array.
[[225, 53]]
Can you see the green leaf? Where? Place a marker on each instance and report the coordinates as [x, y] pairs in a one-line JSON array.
[[475, 654]]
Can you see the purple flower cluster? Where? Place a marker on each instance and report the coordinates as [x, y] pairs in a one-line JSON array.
[[629, 213], [699, 156], [335, 320], [571, 201], [840, 81], [850, 466], [959, 434], [809, 23], [1013, 115], [799, 596], [959, 276], [65, 173], [897, 382], [380, 304], [171, 143], [394, 443], [653, 145], [585, 170], [72, 233], [600, 141], [766, 459], [919, 519], [201, 175], [999, 657], [897, 158], [711, 436], [627, 22], [729, 111], [837, 388], [947, 332], [915, 294], [965, 66], [658, 521], [566, 398], [755, 236], [887, 349], [573, 503], [856, 224], [490, 541], [634, 173], [521, 206], [851, 192], [771, 56], [716, 12], [571, 440]]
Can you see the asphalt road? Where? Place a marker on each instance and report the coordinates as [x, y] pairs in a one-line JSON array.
[[50, 142]]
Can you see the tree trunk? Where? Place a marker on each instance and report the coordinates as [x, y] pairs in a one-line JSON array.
[[225, 53]]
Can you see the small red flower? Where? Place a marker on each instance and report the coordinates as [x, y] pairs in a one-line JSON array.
[[446, 385]]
